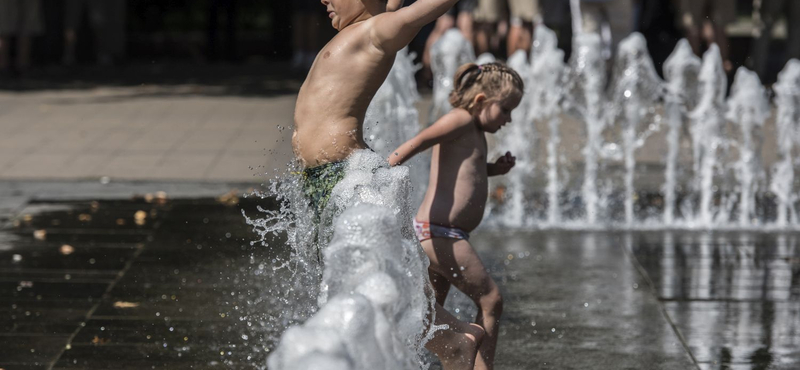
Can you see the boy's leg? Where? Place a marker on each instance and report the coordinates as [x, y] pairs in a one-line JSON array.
[[455, 346], [457, 261]]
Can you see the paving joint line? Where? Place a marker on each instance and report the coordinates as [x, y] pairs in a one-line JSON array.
[[638, 266]]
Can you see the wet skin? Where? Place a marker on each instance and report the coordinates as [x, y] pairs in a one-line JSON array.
[[348, 71]]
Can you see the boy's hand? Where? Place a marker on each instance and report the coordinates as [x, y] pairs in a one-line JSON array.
[[504, 164]]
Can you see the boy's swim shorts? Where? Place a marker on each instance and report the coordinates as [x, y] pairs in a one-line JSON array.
[[318, 183], [426, 230]]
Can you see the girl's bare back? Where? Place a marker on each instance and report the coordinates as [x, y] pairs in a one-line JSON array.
[[458, 184]]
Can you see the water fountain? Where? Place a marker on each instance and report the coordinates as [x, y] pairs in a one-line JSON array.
[[637, 88], [787, 100], [707, 119], [586, 98], [373, 301], [518, 138], [748, 107], [392, 118], [681, 70], [448, 53], [545, 93]]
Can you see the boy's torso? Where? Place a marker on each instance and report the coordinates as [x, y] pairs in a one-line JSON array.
[[333, 100], [458, 185]]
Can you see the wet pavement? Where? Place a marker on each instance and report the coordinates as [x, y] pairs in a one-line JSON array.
[[157, 282]]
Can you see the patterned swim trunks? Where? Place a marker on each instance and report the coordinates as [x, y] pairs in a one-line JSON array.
[[318, 184], [426, 230]]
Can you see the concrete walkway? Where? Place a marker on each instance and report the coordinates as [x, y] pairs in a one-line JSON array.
[[142, 133]]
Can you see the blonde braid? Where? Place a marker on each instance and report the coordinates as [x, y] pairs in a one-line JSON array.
[[492, 79]]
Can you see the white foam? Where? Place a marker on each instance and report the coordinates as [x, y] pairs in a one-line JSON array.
[[375, 293]]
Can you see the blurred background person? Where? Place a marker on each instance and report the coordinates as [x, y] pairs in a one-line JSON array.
[[226, 8], [613, 20], [305, 33], [524, 15], [106, 19], [458, 16], [765, 14], [19, 19], [491, 25], [704, 21]]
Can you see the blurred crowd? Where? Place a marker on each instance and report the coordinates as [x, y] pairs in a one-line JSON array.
[[22, 20], [298, 28], [505, 26]]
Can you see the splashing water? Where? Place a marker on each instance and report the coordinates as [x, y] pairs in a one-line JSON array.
[[637, 87], [518, 138], [448, 53], [392, 118], [681, 70], [787, 100], [587, 84], [485, 58], [749, 108], [707, 119], [374, 296], [545, 93]]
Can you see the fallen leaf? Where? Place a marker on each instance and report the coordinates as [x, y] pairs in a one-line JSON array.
[[140, 217], [98, 340], [230, 198], [66, 249], [121, 304], [40, 234]]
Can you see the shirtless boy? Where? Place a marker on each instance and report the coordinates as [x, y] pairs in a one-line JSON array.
[[330, 110], [483, 98]]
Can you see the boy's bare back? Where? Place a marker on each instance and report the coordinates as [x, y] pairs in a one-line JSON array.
[[347, 73]]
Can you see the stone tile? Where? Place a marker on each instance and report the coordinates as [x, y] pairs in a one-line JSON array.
[[206, 140], [35, 166], [157, 141], [112, 140], [129, 165], [33, 350], [185, 166], [243, 167]]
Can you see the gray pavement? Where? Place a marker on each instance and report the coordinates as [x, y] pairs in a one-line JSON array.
[[142, 133]]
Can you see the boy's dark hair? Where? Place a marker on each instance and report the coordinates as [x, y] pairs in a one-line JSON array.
[[495, 80]]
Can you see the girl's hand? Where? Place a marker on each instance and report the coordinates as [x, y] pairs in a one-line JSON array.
[[504, 164]]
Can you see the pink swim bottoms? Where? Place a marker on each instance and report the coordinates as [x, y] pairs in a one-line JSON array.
[[426, 230]]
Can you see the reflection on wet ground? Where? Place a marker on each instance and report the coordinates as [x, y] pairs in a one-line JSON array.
[[175, 284], [735, 297]]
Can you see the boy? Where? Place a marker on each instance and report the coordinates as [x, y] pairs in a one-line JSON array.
[[330, 109]]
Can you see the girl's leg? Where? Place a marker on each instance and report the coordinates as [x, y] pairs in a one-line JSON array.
[[457, 345], [457, 261], [441, 286]]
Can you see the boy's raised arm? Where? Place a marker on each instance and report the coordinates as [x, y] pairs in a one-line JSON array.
[[394, 30], [446, 128]]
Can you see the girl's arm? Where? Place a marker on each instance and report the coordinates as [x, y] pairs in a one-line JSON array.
[[449, 127]]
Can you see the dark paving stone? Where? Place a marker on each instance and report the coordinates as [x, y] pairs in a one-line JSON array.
[[50, 256], [43, 317], [30, 349]]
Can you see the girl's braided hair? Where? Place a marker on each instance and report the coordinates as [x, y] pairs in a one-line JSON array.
[[495, 80]]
